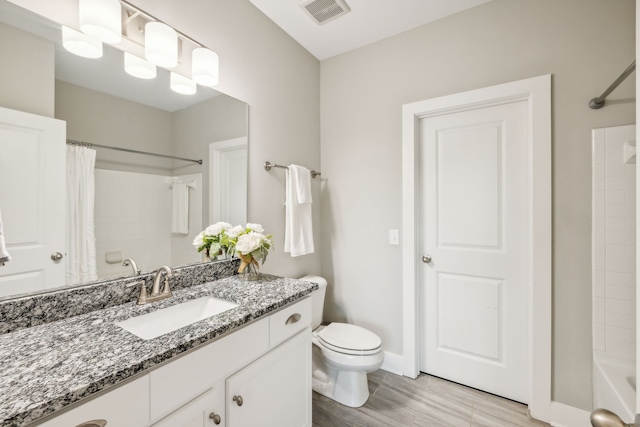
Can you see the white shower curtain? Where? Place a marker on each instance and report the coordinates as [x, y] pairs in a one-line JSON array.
[[81, 239]]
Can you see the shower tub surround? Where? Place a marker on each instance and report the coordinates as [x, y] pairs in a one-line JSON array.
[[614, 251], [47, 367], [614, 271]]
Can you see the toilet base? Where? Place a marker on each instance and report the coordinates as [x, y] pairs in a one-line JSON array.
[[349, 388]]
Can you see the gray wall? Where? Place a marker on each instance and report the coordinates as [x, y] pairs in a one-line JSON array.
[[361, 97], [103, 119], [261, 65], [27, 82], [195, 127]]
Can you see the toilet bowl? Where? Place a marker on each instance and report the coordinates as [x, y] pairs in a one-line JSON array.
[[343, 354]]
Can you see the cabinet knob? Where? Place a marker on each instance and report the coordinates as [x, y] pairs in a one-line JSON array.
[[215, 417], [238, 400], [93, 423]]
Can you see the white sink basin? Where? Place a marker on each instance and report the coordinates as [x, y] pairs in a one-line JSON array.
[[163, 321]]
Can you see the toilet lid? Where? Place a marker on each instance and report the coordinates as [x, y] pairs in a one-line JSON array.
[[344, 336]]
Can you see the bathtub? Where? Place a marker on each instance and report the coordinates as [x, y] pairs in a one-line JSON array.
[[614, 384]]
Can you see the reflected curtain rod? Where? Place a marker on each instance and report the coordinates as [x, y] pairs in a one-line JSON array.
[[269, 165], [90, 145], [598, 102]]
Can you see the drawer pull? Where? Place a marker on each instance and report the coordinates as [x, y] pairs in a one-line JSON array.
[[293, 318], [215, 417], [93, 423], [238, 400]]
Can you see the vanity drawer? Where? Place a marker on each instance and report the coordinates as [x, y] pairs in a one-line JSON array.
[[289, 321], [180, 381], [127, 405]]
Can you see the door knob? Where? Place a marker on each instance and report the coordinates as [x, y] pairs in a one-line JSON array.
[[215, 417], [426, 259], [238, 400], [605, 418], [56, 256]]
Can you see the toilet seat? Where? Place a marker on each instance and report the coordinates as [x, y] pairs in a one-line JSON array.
[[349, 339]]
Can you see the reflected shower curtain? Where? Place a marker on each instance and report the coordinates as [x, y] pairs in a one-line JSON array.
[[81, 237]]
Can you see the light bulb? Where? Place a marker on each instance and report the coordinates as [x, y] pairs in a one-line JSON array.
[[182, 84], [204, 66], [101, 19], [81, 44], [161, 44], [139, 67]]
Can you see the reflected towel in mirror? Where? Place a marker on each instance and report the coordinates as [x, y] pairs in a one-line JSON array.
[[180, 208], [4, 254]]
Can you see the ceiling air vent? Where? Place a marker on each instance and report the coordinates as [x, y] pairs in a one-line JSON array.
[[323, 11]]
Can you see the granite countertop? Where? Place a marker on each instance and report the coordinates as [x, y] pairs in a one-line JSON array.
[[46, 367]]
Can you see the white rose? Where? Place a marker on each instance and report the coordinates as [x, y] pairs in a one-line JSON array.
[[248, 243], [217, 228], [255, 227], [199, 240], [235, 231]]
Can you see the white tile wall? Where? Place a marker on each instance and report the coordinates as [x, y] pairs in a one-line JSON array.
[[133, 216], [613, 248]]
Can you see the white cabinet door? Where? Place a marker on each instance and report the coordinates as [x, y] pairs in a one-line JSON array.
[[32, 200], [203, 411], [127, 405], [275, 390]]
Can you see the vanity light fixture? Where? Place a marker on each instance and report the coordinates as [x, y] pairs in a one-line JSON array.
[[101, 19], [204, 66], [81, 44], [161, 44], [182, 84], [118, 21], [138, 67]]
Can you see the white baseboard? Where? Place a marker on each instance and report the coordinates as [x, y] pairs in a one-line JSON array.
[[393, 363], [562, 415]]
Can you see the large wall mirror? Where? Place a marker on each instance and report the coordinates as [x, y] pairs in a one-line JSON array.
[[135, 204]]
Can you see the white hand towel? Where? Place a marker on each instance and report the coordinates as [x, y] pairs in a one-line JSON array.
[[4, 254], [302, 177], [180, 208], [298, 233]]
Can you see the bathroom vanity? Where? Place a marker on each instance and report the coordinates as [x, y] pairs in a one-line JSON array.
[[247, 366]]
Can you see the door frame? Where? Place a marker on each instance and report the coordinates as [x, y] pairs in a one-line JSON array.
[[216, 179], [537, 92]]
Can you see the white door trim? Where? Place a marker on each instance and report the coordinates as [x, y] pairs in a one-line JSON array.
[[215, 178], [537, 92]]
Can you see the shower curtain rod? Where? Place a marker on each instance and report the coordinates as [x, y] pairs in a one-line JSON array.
[[598, 102], [90, 145]]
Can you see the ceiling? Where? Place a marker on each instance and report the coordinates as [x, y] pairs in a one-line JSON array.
[[367, 22]]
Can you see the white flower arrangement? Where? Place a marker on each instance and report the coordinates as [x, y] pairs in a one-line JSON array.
[[248, 243], [251, 246], [213, 239]]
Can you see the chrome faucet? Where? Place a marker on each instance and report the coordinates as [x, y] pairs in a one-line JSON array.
[[132, 263], [156, 293]]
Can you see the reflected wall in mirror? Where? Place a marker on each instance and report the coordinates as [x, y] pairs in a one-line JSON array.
[[134, 193]]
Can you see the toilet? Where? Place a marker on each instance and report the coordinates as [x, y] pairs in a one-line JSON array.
[[343, 354]]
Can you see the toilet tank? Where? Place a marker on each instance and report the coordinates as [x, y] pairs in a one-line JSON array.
[[317, 299]]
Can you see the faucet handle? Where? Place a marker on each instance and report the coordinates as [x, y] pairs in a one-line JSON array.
[[142, 298]]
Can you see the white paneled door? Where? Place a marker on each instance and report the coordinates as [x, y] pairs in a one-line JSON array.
[[474, 191], [32, 201]]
